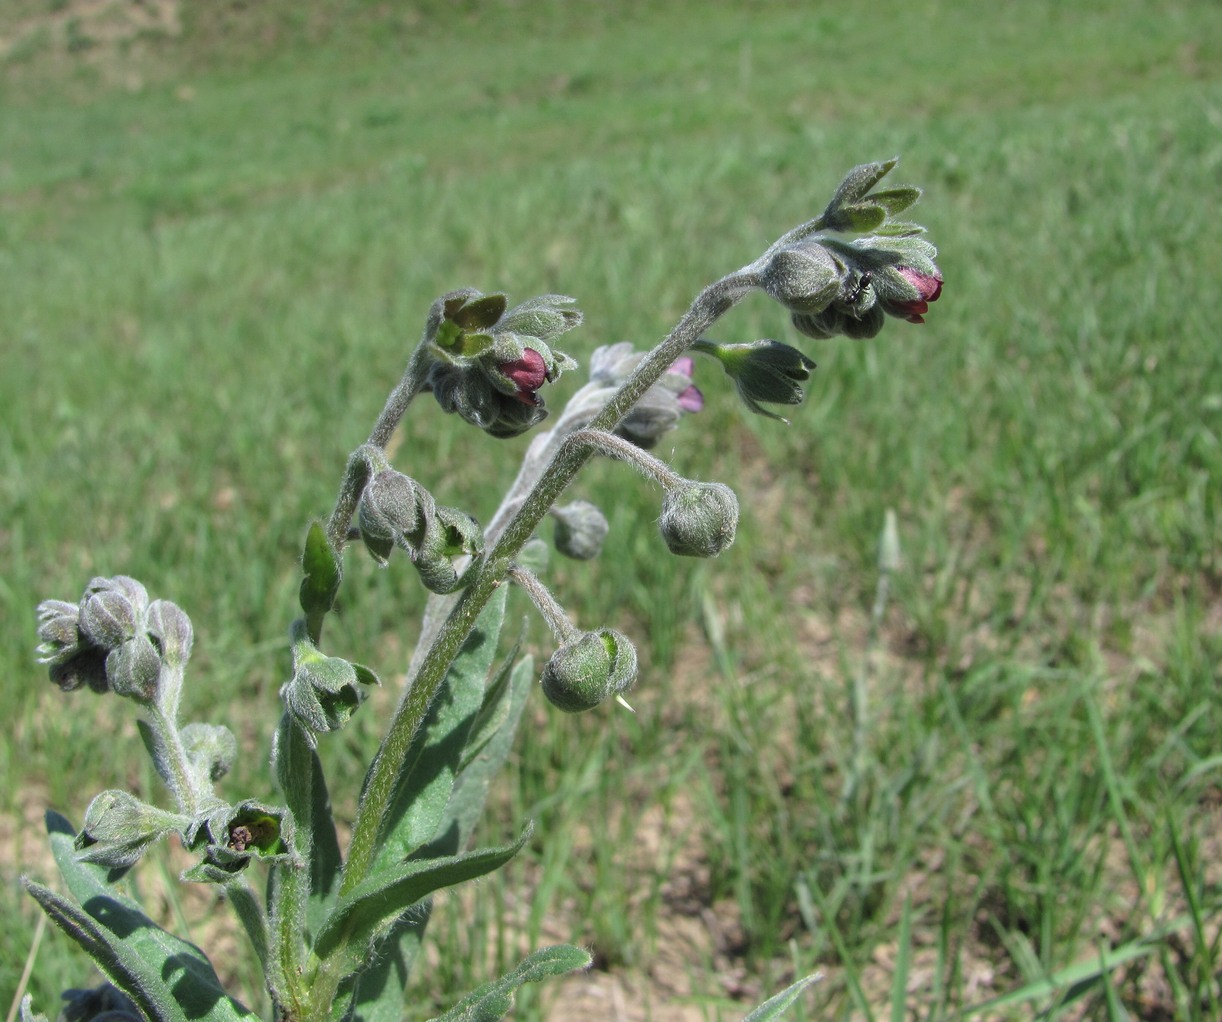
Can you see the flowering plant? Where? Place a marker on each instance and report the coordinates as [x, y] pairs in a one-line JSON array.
[[336, 931]]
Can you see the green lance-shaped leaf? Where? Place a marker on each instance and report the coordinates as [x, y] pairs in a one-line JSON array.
[[169, 978], [422, 793], [321, 576], [494, 1000], [370, 910], [776, 1006], [490, 745]]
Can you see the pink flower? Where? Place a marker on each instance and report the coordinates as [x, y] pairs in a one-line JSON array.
[[690, 399], [929, 289], [528, 374]]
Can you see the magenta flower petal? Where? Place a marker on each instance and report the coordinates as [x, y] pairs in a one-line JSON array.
[[527, 373], [691, 400]]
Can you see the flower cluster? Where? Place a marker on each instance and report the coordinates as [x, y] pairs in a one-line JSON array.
[[113, 639], [488, 364], [832, 286]]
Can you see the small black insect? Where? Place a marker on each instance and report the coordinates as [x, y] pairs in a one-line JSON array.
[[859, 286]]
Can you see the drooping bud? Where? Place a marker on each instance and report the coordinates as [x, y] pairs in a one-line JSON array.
[[170, 629], [804, 277], [73, 660], [581, 529], [699, 519], [763, 370], [662, 405], [112, 610], [906, 292], [394, 510], [489, 363], [119, 828], [324, 691], [477, 400], [582, 674], [134, 669], [211, 750], [527, 374]]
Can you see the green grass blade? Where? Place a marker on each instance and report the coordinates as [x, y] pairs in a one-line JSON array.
[[899, 982], [778, 1004]]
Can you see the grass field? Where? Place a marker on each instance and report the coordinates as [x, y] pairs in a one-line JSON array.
[[219, 235]]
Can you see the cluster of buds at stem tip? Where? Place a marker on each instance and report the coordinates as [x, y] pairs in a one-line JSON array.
[[396, 511], [488, 362], [113, 639], [832, 285]]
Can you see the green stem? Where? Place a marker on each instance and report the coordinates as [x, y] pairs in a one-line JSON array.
[[358, 470], [713, 302], [291, 892]]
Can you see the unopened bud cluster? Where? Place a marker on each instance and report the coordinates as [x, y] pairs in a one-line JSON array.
[[113, 639], [396, 511], [835, 286], [489, 363]]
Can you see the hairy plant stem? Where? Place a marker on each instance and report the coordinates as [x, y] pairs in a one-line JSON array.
[[713, 302], [358, 470]]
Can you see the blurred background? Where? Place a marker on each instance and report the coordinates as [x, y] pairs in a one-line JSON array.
[[995, 792]]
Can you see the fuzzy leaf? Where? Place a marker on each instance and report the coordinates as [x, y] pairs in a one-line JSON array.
[[423, 791], [378, 991], [861, 217], [169, 978], [481, 313], [895, 200], [494, 1000], [776, 1006], [373, 907], [858, 181], [321, 574], [490, 746]]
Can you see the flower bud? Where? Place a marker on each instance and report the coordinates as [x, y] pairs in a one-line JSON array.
[[906, 292], [119, 828], [475, 398], [394, 510], [662, 405], [73, 660], [210, 748], [580, 530], [699, 519], [170, 629], [527, 374], [134, 669], [324, 691], [764, 370], [109, 617], [804, 277], [582, 674]]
